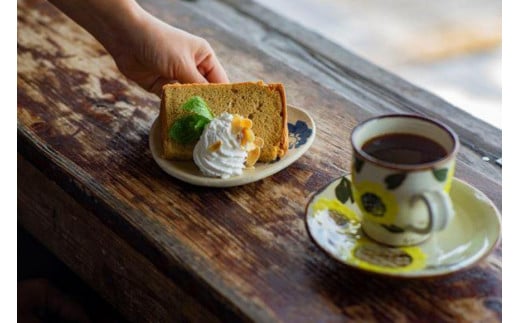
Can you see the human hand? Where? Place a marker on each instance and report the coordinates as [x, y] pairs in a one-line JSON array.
[[159, 54], [145, 49], [163, 54]]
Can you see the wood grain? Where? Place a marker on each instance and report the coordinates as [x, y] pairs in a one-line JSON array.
[[108, 264], [241, 253]]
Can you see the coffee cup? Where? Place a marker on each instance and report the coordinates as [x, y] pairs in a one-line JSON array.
[[402, 169]]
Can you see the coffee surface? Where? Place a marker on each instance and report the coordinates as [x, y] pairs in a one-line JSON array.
[[401, 148]]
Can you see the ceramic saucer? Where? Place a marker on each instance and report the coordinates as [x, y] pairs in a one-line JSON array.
[[302, 131], [332, 220]]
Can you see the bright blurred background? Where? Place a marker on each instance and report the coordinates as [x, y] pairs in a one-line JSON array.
[[449, 47]]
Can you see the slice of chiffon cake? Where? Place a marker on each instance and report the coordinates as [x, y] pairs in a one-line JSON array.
[[263, 103]]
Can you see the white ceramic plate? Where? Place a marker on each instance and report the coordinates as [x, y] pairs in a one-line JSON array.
[[469, 237], [302, 131]]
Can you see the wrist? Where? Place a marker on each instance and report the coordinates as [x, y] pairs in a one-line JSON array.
[[110, 22], [122, 25]]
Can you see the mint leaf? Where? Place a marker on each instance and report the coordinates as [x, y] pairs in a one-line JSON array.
[[188, 129], [197, 105]]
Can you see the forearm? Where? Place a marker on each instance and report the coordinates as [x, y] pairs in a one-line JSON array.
[[109, 21], [145, 49]]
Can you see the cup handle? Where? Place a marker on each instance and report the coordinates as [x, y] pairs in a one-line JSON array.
[[440, 211]]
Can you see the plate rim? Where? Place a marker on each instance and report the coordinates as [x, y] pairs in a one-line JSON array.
[[416, 274], [205, 181]]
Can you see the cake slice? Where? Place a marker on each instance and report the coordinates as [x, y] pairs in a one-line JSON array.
[[263, 103]]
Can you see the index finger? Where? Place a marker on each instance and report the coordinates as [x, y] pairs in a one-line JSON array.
[[212, 70]]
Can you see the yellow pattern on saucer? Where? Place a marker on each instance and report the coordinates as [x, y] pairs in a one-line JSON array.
[[334, 205], [384, 259]]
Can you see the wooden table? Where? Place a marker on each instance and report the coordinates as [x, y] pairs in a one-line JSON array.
[[160, 250]]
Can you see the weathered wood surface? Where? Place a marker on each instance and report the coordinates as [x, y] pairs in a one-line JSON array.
[[108, 264], [240, 252]]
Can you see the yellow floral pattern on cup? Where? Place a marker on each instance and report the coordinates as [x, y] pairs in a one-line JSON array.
[[449, 179], [377, 204]]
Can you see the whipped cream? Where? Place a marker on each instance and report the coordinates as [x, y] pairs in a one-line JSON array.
[[220, 151]]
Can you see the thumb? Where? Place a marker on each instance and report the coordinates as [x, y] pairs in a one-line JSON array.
[[158, 84]]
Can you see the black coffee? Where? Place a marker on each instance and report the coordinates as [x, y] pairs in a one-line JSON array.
[[401, 148]]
